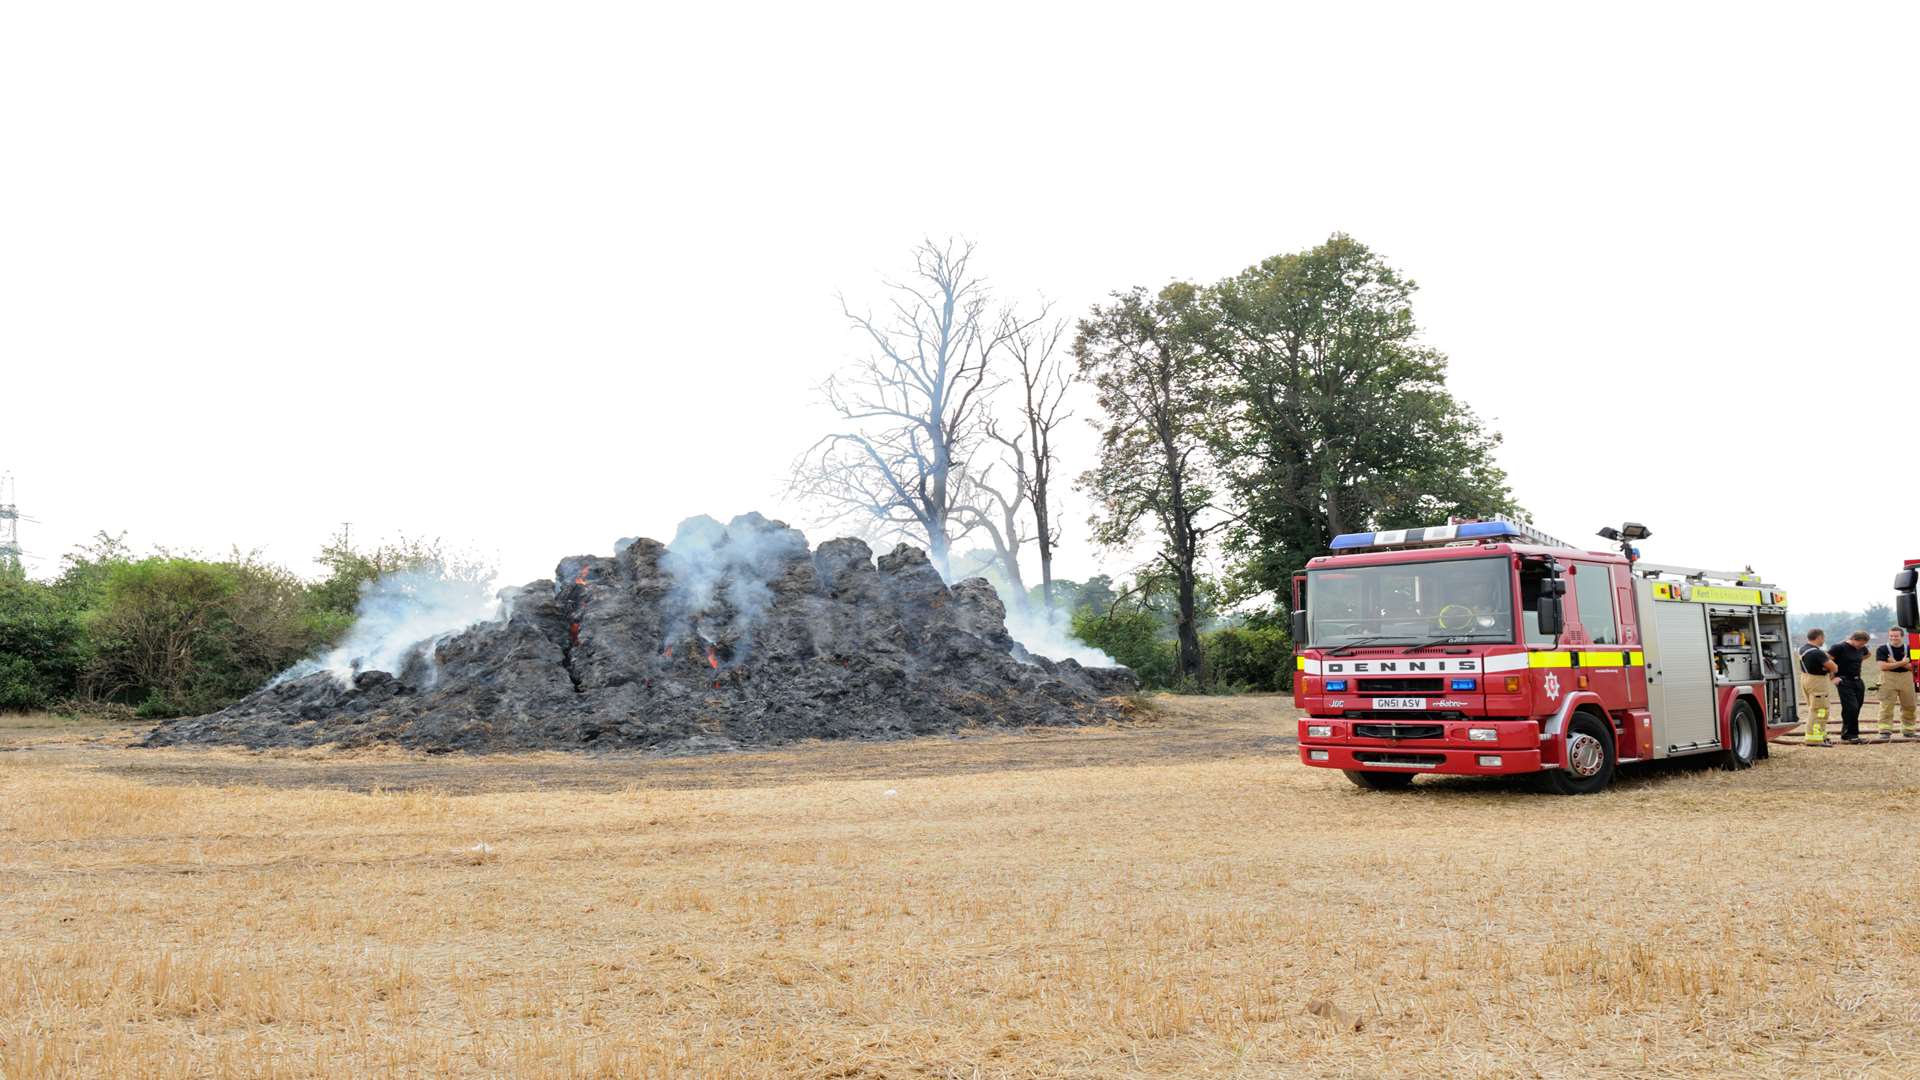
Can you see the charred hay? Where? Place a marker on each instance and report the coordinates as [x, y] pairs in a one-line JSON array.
[[731, 637]]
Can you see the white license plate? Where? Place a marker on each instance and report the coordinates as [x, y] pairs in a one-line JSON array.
[[1400, 703]]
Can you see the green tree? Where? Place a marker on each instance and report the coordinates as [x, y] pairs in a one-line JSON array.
[[1145, 356], [1096, 593], [82, 583], [1335, 417]]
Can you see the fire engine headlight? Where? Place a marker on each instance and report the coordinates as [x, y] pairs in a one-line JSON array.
[[1483, 734], [1319, 731], [1489, 761], [1316, 755], [1336, 685]]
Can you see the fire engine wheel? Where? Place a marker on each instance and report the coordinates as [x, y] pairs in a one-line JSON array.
[[1381, 781], [1744, 747], [1590, 762]]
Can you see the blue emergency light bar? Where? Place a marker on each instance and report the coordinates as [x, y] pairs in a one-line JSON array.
[[1497, 529]]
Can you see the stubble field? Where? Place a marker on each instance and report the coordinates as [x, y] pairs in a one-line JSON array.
[[1174, 897]]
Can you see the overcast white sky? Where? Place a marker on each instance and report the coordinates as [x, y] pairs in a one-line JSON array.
[[533, 277]]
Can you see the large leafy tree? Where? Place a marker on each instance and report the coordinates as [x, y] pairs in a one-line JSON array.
[[1146, 358], [1335, 417]]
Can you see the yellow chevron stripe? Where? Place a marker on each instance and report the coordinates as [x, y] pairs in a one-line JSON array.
[[1586, 658]]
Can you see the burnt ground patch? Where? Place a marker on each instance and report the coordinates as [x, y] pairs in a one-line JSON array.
[[1169, 730]]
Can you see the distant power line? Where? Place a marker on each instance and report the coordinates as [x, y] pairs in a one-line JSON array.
[[9, 521]]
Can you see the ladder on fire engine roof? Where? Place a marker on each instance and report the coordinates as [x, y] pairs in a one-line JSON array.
[[1744, 578]]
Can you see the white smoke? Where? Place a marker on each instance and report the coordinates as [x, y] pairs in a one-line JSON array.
[[1028, 623], [1053, 638], [398, 614], [725, 570]]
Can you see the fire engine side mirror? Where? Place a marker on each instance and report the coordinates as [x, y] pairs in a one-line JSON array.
[[1299, 629], [1547, 609], [1906, 606]]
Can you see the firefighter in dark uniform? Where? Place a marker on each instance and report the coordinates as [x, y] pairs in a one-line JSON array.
[[1847, 657], [1896, 684], [1816, 678]]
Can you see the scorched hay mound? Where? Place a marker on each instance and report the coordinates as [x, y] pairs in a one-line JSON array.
[[732, 636]]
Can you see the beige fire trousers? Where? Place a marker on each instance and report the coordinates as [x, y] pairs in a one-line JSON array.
[[1819, 690], [1896, 691]]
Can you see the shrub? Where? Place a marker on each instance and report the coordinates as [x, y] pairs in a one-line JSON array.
[[42, 644], [1132, 638], [1234, 658], [183, 635], [169, 634], [1248, 658], [20, 685]]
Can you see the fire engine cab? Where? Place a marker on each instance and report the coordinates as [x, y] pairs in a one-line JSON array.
[[1486, 648]]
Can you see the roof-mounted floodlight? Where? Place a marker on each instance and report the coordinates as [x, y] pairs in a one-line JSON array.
[[1625, 535]]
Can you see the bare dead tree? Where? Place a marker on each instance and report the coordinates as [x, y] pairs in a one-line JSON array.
[[995, 507], [1044, 382], [913, 410]]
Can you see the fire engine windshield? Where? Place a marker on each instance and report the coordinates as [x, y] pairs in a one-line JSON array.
[[1409, 603]]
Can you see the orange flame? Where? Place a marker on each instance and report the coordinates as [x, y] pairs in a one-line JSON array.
[[573, 632], [581, 577], [712, 660]]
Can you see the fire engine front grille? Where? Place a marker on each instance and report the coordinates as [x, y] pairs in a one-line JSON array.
[[1401, 686], [1399, 731], [1399, 761]]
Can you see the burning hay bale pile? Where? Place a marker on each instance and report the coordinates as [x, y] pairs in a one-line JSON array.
[[730, 636]]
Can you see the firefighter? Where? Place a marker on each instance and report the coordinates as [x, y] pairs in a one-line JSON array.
[[1896, 684], [1849, 655], [1816, 678]]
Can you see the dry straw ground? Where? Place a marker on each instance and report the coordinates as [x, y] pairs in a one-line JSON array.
[[1179, 898]]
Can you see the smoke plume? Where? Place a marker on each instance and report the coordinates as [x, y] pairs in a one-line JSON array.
[[722, 577], [1052, 638], [1029, 624], [399, 619]]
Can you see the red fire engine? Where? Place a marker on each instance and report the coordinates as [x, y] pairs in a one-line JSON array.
[[1483, 648]]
